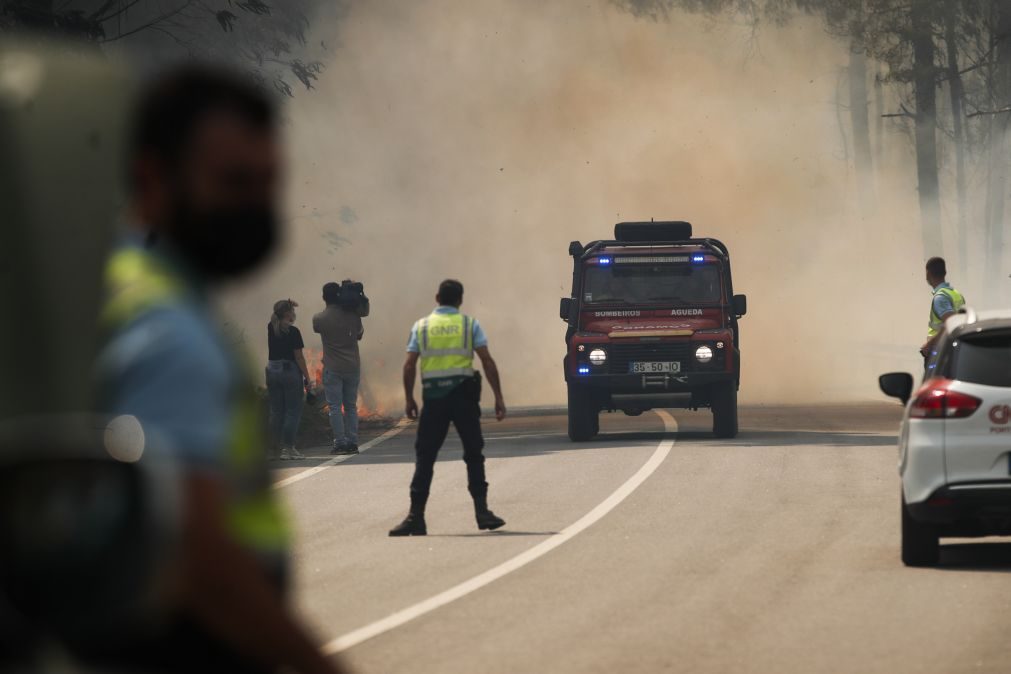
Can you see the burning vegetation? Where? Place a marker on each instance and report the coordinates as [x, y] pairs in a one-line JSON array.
[[369, 410]]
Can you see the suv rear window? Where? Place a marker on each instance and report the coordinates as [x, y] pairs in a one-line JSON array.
[[983, 358]]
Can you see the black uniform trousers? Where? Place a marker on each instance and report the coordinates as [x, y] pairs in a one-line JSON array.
[[464, 411]]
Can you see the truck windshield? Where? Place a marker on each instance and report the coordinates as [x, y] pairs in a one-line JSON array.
[[645, 283]]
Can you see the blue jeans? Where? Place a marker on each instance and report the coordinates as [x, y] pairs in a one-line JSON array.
[[284, 389], [341, 390]]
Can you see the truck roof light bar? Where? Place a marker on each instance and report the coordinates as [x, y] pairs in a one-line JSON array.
[[714, 246], [644, 232]]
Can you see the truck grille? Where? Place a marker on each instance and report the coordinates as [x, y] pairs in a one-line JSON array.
[[620, 356]]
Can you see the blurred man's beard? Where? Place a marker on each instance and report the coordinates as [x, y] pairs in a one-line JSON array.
[[224, 243]]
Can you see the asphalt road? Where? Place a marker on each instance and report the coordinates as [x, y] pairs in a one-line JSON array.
[[774, 552]]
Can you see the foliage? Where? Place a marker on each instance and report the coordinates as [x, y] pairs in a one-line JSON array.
[[268, 38]]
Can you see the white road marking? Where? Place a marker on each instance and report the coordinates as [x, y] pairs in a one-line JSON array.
[[309, 472], [489, 438], [390, 622]]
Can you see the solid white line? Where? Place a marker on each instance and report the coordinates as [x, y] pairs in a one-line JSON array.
[[397, 619], [309, 472]]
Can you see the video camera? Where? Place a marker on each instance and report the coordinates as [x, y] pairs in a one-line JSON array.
[[352, 295]]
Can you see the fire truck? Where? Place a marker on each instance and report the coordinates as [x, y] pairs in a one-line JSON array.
[[652, 323]]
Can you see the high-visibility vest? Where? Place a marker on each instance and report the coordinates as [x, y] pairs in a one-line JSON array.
[[957, 301], [138, 282], [446, 344]]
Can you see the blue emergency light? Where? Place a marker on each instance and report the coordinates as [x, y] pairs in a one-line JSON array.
[[698, 258], [603, 260], [584, 370]]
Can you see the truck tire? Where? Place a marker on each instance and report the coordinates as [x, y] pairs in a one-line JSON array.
[[724, 404], [583, 416], [920, 544]]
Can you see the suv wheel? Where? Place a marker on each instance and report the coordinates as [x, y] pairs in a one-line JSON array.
[[919, 541], [724, 404], [584, 421]]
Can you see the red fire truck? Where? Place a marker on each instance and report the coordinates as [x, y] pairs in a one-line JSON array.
[[652, 323]]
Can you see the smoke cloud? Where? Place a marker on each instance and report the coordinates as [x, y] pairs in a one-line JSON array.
[[475, 140]]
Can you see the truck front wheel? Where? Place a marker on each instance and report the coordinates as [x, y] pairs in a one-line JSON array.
[[724, 403], [583, 415]]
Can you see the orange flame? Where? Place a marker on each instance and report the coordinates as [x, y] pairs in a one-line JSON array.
[[314, 363]]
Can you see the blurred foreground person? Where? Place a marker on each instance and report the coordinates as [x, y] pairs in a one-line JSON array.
[[287, 378], [946, 302], [85, 530], [444, 343], [340, 327], [204, 170]]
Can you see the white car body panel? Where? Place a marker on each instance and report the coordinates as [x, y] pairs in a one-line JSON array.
[[934, 453], [977, 447], [921, 460]]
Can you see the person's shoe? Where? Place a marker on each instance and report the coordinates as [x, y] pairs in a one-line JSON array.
[[349, 448], [413, 525], [337, 448], [285, 454], [486, 519], [294, 454]]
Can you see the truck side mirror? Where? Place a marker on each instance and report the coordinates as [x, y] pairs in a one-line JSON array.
[[575, 249], [740, 305], [565, 308], [897, 385]]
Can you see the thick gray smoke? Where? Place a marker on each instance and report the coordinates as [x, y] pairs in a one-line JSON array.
[[475, 140]]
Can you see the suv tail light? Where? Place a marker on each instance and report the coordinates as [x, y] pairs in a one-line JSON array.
[[934, 400]]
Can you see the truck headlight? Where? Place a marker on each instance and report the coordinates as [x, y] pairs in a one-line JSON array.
[[703, 354], [598, 357]]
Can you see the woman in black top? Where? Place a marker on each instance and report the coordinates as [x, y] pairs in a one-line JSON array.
[[287, 378]]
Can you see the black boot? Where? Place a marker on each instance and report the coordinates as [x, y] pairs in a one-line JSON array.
[[414, 523], [486, 519]]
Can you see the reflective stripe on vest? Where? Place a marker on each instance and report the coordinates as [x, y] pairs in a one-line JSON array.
[[135, 282], [935, 323], [138, 282], [447, 346]]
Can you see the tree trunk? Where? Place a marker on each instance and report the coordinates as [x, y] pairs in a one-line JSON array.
[[879, 118], [861, 127], [957, 94], [924, 81], [997, 185]]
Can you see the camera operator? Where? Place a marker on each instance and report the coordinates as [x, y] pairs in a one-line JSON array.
[[340, 326]]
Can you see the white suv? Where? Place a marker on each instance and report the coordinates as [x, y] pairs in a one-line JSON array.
[[955, 440]]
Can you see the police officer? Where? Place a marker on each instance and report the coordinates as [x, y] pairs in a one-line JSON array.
[[205, 183], [444, 343], [945, 302]]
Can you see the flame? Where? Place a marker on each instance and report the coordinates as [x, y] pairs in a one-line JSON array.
[[314, 363]]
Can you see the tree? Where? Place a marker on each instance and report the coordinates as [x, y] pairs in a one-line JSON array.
[[956, 93], [267, 38], [999, 88], [906, 37], [859, 103]]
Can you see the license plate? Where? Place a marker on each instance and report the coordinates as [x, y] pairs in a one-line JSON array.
[[655, 367]]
